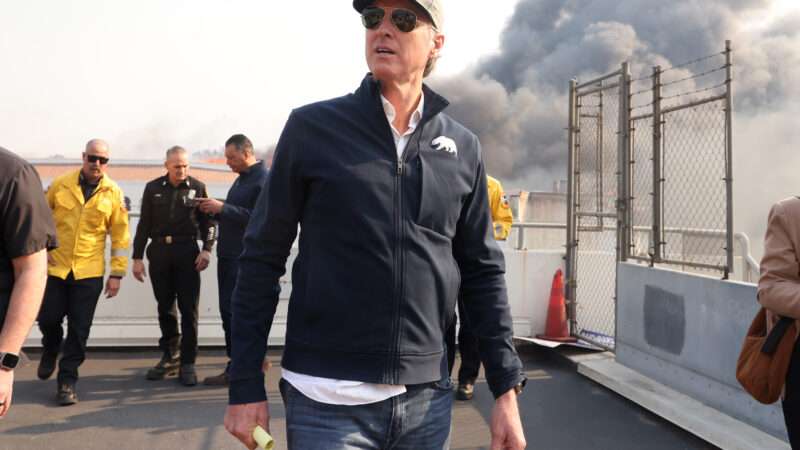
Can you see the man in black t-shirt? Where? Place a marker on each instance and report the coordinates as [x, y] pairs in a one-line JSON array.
[[26, 233]]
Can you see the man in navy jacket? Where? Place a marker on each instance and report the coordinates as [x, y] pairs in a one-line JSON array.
[[390, 194], [233, 215]]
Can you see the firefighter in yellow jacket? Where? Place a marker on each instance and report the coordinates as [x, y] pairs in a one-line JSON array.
[[87, 206], [501, 210]]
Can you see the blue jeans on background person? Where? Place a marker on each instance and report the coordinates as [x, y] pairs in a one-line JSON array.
[[417, 420]]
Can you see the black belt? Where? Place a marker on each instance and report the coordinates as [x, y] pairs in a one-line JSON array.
[[174, 239]]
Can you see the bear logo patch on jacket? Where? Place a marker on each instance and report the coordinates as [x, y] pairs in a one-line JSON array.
[[445, 144]]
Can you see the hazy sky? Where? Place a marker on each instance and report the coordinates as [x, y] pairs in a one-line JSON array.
[[148, 74]]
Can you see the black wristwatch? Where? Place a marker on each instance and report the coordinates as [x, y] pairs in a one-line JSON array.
[[8, 361]]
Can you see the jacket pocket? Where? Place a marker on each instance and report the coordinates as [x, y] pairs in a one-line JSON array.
[[100, 213], [65, 201], [440, 192]]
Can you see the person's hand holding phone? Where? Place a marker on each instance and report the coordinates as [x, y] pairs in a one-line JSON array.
[[209, 205]]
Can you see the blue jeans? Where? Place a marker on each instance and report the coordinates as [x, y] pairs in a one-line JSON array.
[[416, 420]]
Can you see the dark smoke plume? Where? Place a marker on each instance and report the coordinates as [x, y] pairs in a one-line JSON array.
[[516, 99]]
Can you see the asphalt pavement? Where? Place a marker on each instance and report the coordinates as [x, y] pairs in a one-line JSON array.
[[119, 409]]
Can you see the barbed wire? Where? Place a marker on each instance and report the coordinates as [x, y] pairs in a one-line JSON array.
[[698, 91], [641, 107], [643, 91], [642, 78], [695, 76], [694, 61], [648, 76]]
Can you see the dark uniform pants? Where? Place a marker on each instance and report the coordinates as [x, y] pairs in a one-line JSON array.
[[791, 401], [227, 270], [174, 277], [467, 347], [77, 300]]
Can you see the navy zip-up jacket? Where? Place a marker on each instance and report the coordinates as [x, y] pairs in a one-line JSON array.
[[385, 243], [236, 212]]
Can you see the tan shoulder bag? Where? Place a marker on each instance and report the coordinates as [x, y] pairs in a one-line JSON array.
[[764, 359]]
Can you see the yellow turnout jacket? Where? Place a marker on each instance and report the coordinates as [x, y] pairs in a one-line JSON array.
[[82, 227], [501, 210]]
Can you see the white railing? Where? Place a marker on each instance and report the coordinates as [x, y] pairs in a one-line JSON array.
[[750, 267]]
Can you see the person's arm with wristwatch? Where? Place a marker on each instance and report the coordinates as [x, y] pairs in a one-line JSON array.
[[30, 277]]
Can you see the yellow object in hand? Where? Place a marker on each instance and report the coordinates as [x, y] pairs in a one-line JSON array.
[[262, 438]]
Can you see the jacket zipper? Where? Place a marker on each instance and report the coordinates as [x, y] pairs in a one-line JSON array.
[[398, 282], [400, 252]]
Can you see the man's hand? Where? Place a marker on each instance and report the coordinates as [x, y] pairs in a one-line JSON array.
[[241, 420], [202, 260], [112, 287], [506, 424], [138, 270], [6, 388], [209, 205]]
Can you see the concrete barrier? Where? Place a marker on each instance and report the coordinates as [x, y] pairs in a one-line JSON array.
[[685, 331], [130, 319]]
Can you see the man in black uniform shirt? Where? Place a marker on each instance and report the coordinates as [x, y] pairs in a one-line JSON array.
[[171, 222], [26, 233]]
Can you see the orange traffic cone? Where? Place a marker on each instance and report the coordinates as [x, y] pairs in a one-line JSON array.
[[556, 328]]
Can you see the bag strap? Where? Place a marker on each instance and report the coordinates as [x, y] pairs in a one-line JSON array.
[[775, 336]]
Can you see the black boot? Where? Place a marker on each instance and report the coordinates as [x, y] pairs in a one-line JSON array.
[[168, 366], [66, 395], [465, 391], [187, 375], [47, 364]]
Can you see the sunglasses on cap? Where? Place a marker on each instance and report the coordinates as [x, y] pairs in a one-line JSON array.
[[95, 158], [403, 19]]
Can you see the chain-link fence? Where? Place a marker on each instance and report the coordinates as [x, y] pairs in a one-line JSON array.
[[649, 180], [680, 167], [595, 184]]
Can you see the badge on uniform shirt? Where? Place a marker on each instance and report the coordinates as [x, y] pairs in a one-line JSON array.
[[188, 199]]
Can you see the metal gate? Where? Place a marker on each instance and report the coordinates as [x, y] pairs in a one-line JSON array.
[[597, 141], [650, 181]]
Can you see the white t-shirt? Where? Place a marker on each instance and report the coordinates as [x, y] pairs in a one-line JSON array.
[[346, 392]]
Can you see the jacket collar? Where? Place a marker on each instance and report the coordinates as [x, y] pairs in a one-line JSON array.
[[103, 183], [256, 168], [187, 183], [369, 94], [75, 184]]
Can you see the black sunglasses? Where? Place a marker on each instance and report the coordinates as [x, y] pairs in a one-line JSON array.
[[95, 158], [403, 19]]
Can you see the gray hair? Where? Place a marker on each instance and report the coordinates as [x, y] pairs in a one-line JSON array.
[[176, 149], [431, 64]]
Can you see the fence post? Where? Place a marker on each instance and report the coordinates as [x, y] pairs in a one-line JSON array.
[[572, 225], [729, 157], [623, 167], [658, 239], [599, 168]]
